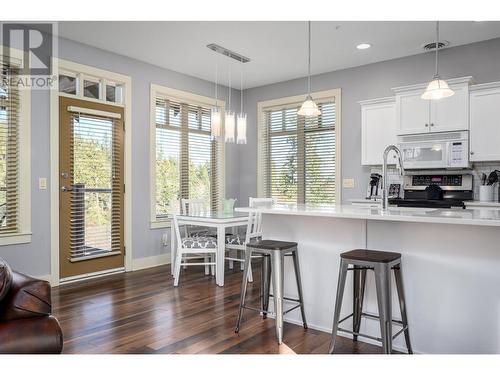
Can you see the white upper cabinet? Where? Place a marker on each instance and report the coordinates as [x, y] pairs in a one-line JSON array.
[[485, 122], [378, 129], [415, 115], [450, 114]]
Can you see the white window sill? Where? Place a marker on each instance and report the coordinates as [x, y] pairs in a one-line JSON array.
[[15, 238], [157, 224]]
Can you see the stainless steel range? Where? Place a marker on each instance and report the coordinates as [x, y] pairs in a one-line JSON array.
[[443, 189]]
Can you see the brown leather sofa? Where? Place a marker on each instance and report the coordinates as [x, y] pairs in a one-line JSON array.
[[26, 323]]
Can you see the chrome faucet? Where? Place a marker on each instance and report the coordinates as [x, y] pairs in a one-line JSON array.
[[385, 188]]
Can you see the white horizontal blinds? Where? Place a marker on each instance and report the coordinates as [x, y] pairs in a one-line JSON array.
[[9, 149], [168, 151], [186, 156], [96, 167], [298, 161], [320, 154]]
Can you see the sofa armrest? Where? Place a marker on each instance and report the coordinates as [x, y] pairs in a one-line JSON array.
[[27, 298], [31, 336]]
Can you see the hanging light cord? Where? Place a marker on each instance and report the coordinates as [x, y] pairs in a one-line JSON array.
[[309, 60], [229, 106], [241, 91], [437, 47], [216, 76]]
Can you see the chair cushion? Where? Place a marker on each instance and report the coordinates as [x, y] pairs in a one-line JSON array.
[[371, 255], [199, 243], [235, 239], [273, 245], [5, 278]]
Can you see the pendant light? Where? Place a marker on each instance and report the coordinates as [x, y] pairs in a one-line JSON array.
[[229, 117], [437, 88], [215, 113], [309, 108], [241, 120]]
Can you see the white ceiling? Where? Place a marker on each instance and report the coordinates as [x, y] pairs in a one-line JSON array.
[[278, 50]]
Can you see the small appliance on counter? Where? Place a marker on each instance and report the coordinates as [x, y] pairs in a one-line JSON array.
[[443, 189], [374, 190]]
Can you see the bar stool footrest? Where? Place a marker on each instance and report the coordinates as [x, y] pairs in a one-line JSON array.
[[375, 317], [267, 312]]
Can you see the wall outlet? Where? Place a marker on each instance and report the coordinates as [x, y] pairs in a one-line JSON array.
[[348, 183], [42, 183]]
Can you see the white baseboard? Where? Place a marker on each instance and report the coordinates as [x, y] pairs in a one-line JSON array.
[[152, 261]]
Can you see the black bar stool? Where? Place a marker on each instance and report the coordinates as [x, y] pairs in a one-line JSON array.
[[381, 262], [272, 263]]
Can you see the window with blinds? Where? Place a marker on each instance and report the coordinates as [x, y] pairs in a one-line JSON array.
[[9, 150], [298, 154], [187, 159]]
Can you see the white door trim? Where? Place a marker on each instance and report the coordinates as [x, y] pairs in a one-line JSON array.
[[54, 161]]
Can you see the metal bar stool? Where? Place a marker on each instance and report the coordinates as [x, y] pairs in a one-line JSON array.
[[381, 262], [272, 263]]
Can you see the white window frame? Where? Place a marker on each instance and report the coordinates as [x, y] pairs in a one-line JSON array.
[[24, 220], [293, 101], [178, 96]]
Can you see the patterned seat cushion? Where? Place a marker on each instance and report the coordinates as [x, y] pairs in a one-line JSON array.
[[199, 243], [235, 239]]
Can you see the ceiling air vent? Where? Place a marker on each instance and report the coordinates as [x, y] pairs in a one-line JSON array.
[[432, 45]]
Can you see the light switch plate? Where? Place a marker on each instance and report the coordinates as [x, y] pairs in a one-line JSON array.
[[42, 183], [348, 183]]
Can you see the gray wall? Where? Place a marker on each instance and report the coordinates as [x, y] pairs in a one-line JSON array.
[[34, 258], [480, 60]]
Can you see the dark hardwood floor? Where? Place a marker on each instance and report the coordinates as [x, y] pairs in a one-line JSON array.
[[141, 312]]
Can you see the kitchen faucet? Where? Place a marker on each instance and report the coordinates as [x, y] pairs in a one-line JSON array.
[[385, 187]]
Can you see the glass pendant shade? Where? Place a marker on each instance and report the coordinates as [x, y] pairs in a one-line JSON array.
[[215, 122], [229, 127], [309, 108], [437, 89], [241, 125]]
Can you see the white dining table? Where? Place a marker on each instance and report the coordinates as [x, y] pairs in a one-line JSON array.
[[218, 220]]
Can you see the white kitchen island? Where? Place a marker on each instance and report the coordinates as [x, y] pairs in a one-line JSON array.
[[451, 269]]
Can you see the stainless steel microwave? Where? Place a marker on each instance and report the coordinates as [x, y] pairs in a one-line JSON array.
[[435, 150]]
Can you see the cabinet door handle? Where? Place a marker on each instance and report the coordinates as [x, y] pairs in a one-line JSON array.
[[432, 124], [426, 125], [472, 152]]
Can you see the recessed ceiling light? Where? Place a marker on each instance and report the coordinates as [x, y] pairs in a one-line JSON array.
[[363, 46]]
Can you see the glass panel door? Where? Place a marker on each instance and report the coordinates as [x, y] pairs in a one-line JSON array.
[[91, 187]]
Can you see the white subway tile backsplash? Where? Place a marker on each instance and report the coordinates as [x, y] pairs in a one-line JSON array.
[[478, 169]]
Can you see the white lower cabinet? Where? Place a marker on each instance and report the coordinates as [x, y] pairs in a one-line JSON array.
[[485, 122], [378, 129]]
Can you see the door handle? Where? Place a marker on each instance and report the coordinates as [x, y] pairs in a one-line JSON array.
[[66, 189]]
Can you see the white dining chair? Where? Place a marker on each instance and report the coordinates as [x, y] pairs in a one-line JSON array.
[[260, 202], [203, 249], [238, 243], [196, 206], [235, 244]]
